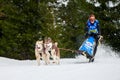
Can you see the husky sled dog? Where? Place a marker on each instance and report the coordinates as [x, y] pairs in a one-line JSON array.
[[55, 53], [51, 51], [48, 48], [39, 51]]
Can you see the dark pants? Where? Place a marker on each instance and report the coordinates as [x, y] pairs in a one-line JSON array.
[[96, 45]]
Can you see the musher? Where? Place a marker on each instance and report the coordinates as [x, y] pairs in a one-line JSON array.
[[93, 29]]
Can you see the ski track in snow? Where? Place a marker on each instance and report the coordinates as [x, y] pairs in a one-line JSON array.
[[105, 67]]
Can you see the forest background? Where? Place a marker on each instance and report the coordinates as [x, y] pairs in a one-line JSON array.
[[23, 22]]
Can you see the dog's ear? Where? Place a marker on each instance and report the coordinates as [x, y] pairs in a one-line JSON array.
[[37, 42], [56, 43]]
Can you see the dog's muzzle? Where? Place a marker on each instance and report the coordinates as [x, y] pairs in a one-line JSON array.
[[38, 48]]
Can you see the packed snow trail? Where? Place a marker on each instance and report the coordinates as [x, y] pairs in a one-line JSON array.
[[105, 67]]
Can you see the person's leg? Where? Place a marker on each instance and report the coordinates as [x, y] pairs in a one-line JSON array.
[[96, 45], [95, 50], [91, 59]]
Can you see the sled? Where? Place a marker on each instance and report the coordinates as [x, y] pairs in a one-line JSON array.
[[87, 47]]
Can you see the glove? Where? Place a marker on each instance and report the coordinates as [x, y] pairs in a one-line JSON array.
[[100, 39]]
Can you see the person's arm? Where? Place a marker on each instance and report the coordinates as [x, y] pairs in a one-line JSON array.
[[86, 29], [99, 31]]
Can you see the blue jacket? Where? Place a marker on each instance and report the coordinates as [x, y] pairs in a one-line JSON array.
[[93, 28]]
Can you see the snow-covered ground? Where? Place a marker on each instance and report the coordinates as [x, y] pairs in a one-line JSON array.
[[105, 67]]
